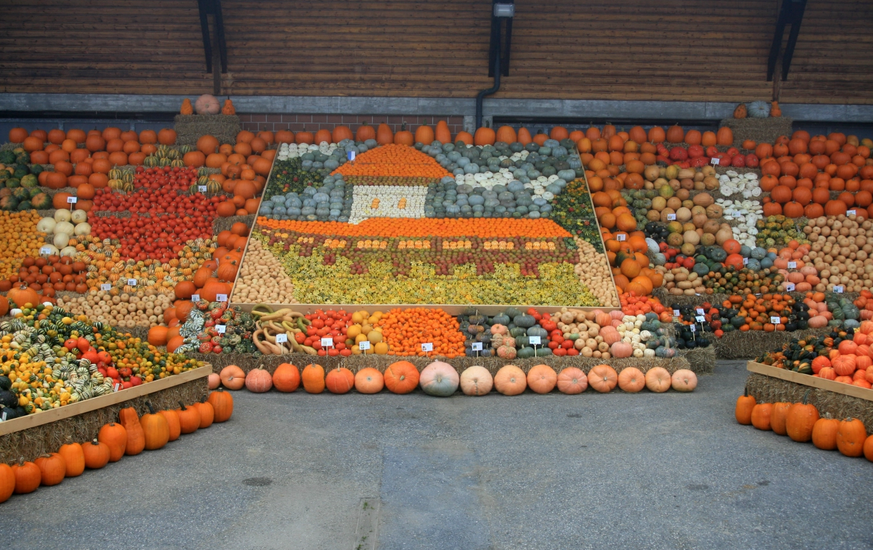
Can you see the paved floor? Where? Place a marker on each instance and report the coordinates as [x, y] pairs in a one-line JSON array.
[[392, 472]]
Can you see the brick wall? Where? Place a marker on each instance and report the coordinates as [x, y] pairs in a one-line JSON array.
[[295, 123]]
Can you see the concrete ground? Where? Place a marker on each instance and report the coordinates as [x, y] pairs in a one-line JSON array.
[[394, 472]]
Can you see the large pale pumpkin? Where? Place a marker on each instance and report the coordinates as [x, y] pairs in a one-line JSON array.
[[542, 378], [439, 379], [476, 380], [631, 380], [572, 380], [603, 378], [510, 380], [207, 105], [684, 380], [658, 380]]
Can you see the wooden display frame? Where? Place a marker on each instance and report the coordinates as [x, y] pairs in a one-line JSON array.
[[451, 309], [811, 381], [88, 405]]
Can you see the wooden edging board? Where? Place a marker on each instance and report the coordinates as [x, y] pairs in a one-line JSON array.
[[88, 405], [451, 309], [809, 380]]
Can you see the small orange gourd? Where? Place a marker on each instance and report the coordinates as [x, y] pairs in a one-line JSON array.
[[187, 108]]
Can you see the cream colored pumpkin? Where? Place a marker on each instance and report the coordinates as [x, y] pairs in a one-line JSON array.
[[476, 381], [684, 380], [207, 105]]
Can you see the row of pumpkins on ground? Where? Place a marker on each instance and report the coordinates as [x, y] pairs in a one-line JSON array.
[[442, 380], [128, 437], [802, 423]]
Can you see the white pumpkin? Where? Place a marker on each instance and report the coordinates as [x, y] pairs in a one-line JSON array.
[[62, 215], [46, 225], [79, 216], [439, 379]]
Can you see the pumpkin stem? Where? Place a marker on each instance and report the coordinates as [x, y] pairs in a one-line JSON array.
[[151, 409], [805, 397], [182, 406]]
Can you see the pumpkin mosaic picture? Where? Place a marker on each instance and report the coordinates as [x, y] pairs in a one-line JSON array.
[[437, 224]]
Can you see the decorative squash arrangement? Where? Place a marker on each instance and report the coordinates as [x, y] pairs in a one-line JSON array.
[[133, 434]]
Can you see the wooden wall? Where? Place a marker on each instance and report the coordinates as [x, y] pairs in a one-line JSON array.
[[102, 46], [691, 50]]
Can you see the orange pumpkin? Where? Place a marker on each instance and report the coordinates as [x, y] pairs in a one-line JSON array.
[[603, 378], [631, 380], [401, 377], [658, 380], [369, 380], [542, 379], [233, 377], [510, 380], [313, 378]]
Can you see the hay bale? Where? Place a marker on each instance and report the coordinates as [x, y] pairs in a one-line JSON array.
[[48, 438], [754, 343], [759, 130], [381, 362], [189, 128], [700, 360], [766, 389]]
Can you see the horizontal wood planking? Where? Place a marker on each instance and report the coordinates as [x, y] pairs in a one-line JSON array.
[[623, 49]]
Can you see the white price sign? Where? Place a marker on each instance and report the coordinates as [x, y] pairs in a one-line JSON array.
[[195, 297], [534, 340], [131, 282], [327, 342], [281, 338], [220, 329], [117, 387], [3, 416], [201, 188], [745, 261], [789, 287], [850, 212], [775, 320], [428, 347], [693, 328], [700, 311], [714, 161], [792, 265], [352, 155], [221, 297], [72, 200], [364, 345], [701, 319], [105, 286], [477, 346], [676, 313], [621, 237], [839, 289], [45, 251], [671, 217]]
